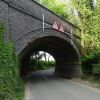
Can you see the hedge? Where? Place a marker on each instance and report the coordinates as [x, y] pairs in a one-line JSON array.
[[8, 70]]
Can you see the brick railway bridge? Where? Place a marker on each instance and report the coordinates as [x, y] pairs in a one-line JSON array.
[[29, 26]]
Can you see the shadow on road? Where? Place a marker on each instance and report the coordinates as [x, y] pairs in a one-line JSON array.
[[43, 75]]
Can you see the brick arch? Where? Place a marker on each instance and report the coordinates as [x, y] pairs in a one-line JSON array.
[[59, 45], [31, 36]]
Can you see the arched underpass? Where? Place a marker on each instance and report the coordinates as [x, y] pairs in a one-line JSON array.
[[30, 32], [66, 56]]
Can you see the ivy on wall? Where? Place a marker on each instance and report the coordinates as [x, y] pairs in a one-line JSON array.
[[8, 70]]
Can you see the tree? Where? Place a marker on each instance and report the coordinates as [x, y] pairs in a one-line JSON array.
[[89, 22], [57, 7]]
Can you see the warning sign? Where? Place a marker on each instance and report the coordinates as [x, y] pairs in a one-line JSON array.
[[61, 28], [55, 26]]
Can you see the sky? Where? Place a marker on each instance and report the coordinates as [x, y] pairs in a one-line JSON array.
[[95, 2], [47, 55]]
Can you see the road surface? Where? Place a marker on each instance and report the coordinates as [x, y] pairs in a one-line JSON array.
[[44, 85]]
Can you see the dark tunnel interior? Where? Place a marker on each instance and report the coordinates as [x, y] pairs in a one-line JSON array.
[[66, 57]]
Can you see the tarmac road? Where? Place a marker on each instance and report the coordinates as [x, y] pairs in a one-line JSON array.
[[44, 85]]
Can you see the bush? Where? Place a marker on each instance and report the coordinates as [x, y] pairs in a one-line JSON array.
[[90, 62], [96, 69]]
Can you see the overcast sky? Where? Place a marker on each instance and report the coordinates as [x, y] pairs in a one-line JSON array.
[[47, 55]]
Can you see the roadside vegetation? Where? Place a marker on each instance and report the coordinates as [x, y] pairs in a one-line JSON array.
[[89, 22], [10, 84]]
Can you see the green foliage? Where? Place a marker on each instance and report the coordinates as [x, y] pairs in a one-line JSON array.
[[20, 90], [57, 7], [91, 62], [41, 65], [89, 22], [96, 69], [8, 70]]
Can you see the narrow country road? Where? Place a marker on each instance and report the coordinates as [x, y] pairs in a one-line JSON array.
[[44, 85]]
